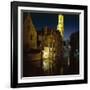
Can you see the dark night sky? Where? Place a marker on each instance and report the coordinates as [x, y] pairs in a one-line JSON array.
[[71, 22]]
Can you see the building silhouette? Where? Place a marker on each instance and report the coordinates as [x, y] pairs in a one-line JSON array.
[[74, 53]]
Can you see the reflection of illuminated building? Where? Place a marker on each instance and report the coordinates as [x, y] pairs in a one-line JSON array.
[[46, 52], [47, 59], [52, 50], [60, 26]]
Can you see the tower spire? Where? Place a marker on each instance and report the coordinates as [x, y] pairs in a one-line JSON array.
[[60, 26]]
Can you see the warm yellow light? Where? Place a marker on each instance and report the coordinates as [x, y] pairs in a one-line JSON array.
[[60, 26], [45, 65], [46, 52], [45, 58]]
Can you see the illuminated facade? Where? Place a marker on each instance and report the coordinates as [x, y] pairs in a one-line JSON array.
[[60, 26], [29, 33]]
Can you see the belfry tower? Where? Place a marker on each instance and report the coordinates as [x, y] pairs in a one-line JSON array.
[[60, 26]]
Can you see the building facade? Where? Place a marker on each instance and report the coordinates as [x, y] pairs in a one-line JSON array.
[[29, 34]]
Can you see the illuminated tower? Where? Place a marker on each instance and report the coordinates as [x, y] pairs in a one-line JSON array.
[[60, 26]]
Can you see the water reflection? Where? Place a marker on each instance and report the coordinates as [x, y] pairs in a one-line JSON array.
[[48, 58]]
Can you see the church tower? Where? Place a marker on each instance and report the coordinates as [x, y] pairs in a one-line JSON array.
[[60, 26]]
